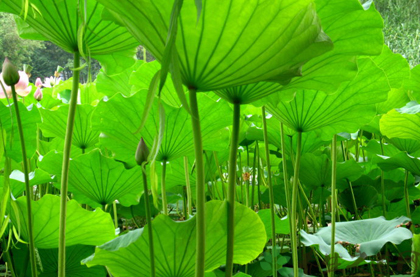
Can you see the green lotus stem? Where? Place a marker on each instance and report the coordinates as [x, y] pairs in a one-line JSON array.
[[260, 180], [247, 181], [200, 186], [8, 259], [163, 188], [187, 182], [293, 217], [28, 187], [406, 195], [254, 179], [114, 208], [149, 222], [382, 181], [271, 194], [65, 169], [356, 214], [284, 167], [333, 199], [219, 169], [234, 142]]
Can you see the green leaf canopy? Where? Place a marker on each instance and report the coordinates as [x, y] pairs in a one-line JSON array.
[[97, 180], [83, 227], [234, 42], [62, 22], [348, 109], [119, 118], [175, 249], [371, 234], [55, 123]]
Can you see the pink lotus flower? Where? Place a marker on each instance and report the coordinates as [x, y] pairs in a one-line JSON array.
[[22, 87], [38, 82], [38, 94]]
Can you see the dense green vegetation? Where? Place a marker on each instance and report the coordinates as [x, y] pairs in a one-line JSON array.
[[258, 138]]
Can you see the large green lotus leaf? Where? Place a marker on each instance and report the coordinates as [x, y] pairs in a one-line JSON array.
[[365, 197], [97, 180], [374, 147], [316, 170], [175, 248], [408, 145], [248, 93], [371, 234], [142, 77], [311, 141], [29, 117], [62, 23], [48, 262], [234, 42], [344, 256], [83, 227], [282, 224], [74, 254], [402, 123], [137, 210], [36, 177], [400, 160], [348, 109], [119, 118], [396, 67], [413, 84], [116, 83], [397, 98], [355, 31], [55, 123]]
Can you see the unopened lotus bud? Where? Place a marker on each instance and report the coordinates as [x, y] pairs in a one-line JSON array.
[[10, 73], [27, 69], [38, 82], [38, 94], [142, 152], [60, 69]]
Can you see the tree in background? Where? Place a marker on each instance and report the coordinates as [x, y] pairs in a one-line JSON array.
[[18, 50]]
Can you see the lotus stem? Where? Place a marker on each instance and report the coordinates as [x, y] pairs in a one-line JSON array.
[[271, 194], [254, 175], [200, 185], [284, 167], [163, 189], [232, 188], [382, 182], [333, 201], [293, 217], [187, 182], [66, 165], [28, 187], [406, 195], [149, 222], [247, 181]]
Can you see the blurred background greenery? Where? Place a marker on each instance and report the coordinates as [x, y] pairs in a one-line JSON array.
[[402, 35]]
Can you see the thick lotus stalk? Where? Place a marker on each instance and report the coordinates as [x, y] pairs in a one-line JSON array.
[[11, 78], [271, 192], [234, 142], [142, 155], [66, 166]]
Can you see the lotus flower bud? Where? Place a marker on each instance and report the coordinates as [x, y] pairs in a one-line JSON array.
[[38, 82], [142, 152], [38, 94], [10, 73]]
